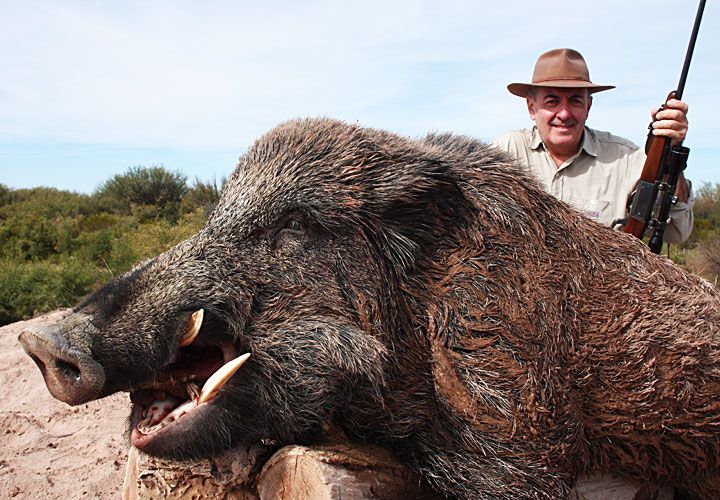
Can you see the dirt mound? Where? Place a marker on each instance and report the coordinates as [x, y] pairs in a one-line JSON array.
[[50, 449]]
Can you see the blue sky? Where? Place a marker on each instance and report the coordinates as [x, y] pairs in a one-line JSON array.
[[90, 88]]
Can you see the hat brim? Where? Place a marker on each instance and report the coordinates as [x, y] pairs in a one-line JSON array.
[[522, 89]]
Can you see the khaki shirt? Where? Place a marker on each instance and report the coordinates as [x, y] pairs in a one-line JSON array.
[[598, 181]]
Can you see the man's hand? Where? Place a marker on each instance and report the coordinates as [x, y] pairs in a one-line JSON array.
[[671, 121]]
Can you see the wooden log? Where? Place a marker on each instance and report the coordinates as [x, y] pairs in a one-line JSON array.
[[337, 472], [330, 472], [293, 472]]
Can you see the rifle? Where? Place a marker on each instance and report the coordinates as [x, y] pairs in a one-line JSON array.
[[663, 165]]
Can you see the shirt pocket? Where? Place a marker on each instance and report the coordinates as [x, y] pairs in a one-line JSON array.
[[601, 211]]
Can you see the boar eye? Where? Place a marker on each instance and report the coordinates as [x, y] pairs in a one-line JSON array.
[[291, 231], [294, 225]]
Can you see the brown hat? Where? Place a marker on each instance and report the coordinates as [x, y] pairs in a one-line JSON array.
[[559, 68]]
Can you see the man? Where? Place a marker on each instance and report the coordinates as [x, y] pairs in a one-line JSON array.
[[593, 171]]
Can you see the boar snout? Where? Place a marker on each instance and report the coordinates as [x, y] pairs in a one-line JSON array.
[[70, 375]]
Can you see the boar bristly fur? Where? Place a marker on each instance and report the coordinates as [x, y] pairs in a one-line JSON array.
[[427, 296]]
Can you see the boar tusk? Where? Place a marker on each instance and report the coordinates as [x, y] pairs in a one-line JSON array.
[[193, 327], [218, 379]]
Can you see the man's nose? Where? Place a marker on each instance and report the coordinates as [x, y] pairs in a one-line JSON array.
[[563, 113]]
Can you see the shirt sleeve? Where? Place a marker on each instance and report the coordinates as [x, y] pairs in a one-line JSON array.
[[681, 219], [514, 144], [503, 142]]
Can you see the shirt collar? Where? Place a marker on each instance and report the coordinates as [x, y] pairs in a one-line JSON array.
[[589, 145]]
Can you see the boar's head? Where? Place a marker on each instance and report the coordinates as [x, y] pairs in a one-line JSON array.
[[312, 263]]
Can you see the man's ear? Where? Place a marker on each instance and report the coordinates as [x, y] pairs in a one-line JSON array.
[[531, 107], [589, 102]]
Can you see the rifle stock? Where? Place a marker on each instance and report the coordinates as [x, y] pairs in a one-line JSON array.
[[656, 149]]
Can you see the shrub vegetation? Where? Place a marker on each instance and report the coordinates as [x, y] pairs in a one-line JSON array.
[[700, 254], [57, 246]]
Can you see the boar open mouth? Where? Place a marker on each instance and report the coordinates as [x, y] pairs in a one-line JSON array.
[[188, 387]]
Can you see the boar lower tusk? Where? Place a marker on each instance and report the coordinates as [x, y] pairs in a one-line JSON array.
[[193, 327], [218, 379]]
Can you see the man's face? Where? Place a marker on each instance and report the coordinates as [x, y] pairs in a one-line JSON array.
[[560, 115]]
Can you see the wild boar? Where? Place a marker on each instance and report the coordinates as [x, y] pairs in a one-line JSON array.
[[419, 294]]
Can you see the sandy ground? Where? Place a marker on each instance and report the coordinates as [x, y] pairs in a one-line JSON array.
[[47, 448]]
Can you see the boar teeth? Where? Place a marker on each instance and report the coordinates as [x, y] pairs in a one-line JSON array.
[[194, 324], [193, 390], [218, 379]]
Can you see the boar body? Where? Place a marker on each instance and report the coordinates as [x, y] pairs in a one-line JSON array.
[[419, 294]]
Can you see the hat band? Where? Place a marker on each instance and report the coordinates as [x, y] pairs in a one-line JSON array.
[[563, 79]]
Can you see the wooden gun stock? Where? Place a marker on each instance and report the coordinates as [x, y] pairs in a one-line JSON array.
[[656, 149]]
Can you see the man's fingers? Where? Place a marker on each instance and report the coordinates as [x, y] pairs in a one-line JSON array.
[[669, 124], [678, 105], [672, 110], [674, 130], [672, 134], [671, 114], [671, 121]]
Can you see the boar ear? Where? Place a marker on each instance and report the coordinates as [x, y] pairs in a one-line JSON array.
[[426, 210]]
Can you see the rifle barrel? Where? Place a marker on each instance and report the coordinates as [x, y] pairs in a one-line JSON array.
[[691, 48]]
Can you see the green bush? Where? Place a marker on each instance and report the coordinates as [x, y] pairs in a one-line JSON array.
[[31, 237], [155, 237], [707, 213], [700, 254], [39, 223], [203, 195], [30, 288], [5, 195], [56, 246], [145, 192], [44, 202]]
